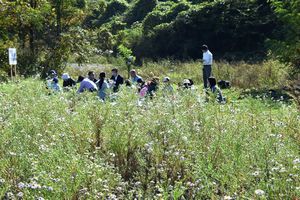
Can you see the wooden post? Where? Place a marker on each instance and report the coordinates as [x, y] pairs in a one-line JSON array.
[[15, 72], [11, 72]]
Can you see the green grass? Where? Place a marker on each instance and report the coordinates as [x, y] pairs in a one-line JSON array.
[[71, 146]]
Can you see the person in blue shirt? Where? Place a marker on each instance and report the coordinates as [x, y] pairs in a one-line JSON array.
[[134, 76], [52, 81], [54, 85], [102, 86], [167, 88]]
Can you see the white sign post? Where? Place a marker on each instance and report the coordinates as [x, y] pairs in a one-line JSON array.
[[12, 56]]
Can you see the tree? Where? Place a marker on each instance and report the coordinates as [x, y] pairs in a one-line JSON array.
[[139, 10], [287, 44]]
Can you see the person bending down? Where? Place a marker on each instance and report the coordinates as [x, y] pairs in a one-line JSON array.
[[86, 85], [215, 90]]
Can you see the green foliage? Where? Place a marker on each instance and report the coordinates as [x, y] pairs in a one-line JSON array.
[[287, 45], [104, 39], [234, 30], [35, 29], [114, 8], [139, 10], [124, 51]]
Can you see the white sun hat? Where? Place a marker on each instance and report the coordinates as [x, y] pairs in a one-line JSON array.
[[186, 81], [166, 79], [65, 76]]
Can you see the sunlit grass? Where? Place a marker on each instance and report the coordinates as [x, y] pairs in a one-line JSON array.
[[67, 146]]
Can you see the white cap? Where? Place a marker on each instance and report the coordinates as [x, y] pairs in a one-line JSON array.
[[186, 81], [166, 79], [65, 76]]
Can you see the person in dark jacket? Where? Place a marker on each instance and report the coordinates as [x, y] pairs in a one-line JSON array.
[[68, 81], [116, 79], [215, 90]]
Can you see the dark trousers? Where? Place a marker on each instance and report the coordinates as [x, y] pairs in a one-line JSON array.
[[206, 74]]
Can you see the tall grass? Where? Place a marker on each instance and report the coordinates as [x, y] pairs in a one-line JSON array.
[[69, 146], [268, 74]]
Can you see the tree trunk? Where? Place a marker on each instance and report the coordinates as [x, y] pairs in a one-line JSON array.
[[32, 32], [58, 16]]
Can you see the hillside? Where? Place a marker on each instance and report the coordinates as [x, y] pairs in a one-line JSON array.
[[49, 33]]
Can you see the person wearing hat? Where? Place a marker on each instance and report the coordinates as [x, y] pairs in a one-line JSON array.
[[68, 81], [207, 64], [52, 78], [52, 81], [167, 88], [54, 85]]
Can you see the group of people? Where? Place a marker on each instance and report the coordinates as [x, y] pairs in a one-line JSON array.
[[104, 86]]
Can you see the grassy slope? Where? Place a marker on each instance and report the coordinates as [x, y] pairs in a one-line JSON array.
[[164, 148]]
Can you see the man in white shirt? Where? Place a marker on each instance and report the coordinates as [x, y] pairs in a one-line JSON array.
[[86, 85], [207, 63]]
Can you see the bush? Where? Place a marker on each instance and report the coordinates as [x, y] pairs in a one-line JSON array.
[[139, 10]]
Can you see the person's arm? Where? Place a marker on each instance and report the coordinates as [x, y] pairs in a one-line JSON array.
[[210, 58], [81, 88], [73, 83], [105, 85], [121, 80]]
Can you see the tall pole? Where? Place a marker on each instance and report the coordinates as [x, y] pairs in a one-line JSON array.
[[11, 72], [15, 71]]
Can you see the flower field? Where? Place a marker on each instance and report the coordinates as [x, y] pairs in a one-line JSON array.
[[70, 146]]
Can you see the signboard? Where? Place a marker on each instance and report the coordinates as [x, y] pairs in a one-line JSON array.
[[12, 55]]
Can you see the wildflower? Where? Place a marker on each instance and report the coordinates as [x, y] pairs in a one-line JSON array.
[[34, 186], [43, 147], [20, 194], [10, 195], [282, 170], [137, 183], [296, 161], [12, 153], [50, 189], [275, 169], [21, 185], [228, 198], [148, 147], [259, 192], [159, 195], [255, 174], [189, 184], [40, 198], [2, 181]]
